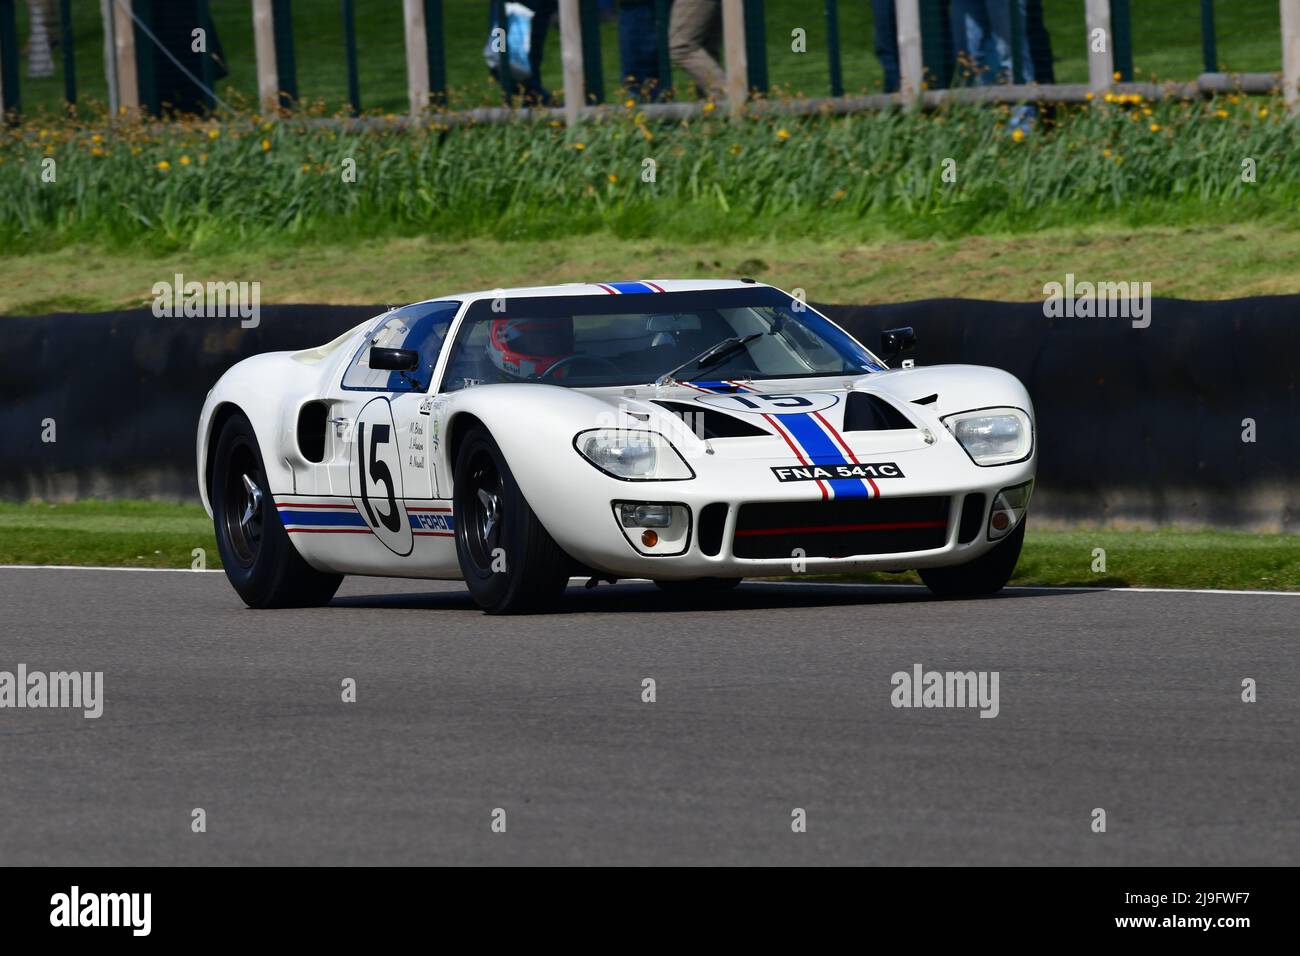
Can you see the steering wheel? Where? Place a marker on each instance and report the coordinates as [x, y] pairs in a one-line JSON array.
[[579, 357]]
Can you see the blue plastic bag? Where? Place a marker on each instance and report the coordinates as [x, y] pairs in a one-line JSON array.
[[519, 32]]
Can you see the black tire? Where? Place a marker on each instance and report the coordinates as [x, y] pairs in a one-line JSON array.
[[987, 574], [495, 524], [260, 561], [698, 586]]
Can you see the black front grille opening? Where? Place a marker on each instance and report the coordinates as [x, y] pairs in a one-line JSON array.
[[311, 431], [865, 412], [841, 527], [710, 423], [972, 517], [712, 520]]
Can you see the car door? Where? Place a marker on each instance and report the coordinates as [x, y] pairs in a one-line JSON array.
[[380, 422]]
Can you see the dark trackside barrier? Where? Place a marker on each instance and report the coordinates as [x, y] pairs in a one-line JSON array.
[[1138, 424], [124, 391], [1134, 424]]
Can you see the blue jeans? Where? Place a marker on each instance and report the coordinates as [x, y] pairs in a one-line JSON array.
[[981, 38], [883, 13], [638, 50]]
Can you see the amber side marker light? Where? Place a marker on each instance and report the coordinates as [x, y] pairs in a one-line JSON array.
[[649, 538]]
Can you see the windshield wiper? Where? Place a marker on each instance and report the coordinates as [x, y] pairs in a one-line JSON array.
[[713, 355]]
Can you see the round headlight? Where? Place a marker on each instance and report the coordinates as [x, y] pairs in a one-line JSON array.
[[993, 436], [632, 455]]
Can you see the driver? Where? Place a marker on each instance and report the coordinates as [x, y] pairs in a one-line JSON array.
[[527, 348]]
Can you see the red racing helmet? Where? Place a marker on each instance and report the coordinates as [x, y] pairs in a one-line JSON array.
[[527, 348]]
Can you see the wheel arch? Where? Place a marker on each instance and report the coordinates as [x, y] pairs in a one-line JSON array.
[[458, 427]]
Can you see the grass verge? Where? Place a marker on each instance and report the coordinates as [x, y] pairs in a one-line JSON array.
[[205, 186], [1244, 260], [161, 535]]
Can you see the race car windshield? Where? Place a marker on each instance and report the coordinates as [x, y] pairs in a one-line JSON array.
[[634, 339]]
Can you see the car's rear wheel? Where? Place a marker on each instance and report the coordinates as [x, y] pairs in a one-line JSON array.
[[987, 574], [260, 561], [509, 561], [698, 586]]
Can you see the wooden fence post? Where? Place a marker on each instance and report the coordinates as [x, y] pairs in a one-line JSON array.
[[1291, 54], [417, 57], [733, 44], [910, 64], [128, 78], [268, 80], [1101, 62], [575, 81]]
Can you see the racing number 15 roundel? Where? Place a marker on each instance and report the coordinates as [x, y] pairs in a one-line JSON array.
[[376, 477]]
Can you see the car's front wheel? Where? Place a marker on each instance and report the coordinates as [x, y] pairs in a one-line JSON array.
[[987, 574], [509, 561], [259, 559]]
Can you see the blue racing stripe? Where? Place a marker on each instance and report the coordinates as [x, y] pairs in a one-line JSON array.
[[323, 518], [628, 288], [820, 450]]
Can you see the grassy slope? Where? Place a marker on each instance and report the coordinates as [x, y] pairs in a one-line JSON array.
[[1244, 260], [1166, 43], [151, 534]]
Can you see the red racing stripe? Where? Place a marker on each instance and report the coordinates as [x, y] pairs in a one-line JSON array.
[[830, 528]]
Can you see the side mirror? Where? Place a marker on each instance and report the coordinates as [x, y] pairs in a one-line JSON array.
[[394, 360], [894, 342]]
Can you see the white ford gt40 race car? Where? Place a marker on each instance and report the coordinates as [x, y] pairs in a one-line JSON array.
[[690, 432]]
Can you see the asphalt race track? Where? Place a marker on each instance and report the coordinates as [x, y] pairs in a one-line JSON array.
[[777, 698]]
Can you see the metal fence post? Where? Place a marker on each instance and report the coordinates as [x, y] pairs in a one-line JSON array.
[[592, 70], [1122, 31], [1208, 48], [733, 46], [833, 46], [286, 67], [756, 44], [69, 60], [350, 49], [575, 85], [1291, 54], [662, 12], [9, 102], [8, 60], [497, 20], [437, 55], [1101, 62], [207, 72], [1017, 37], [146, 57], [910, 65], [110, 55]]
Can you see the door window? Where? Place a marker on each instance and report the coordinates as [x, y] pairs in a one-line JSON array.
[[422, 327]]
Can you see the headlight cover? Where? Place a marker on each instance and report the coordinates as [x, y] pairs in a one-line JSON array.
[[632, 455], [993, 436]]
